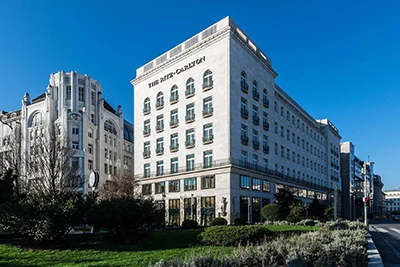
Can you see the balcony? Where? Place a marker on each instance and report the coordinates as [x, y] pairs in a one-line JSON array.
[[256, 120], [146, 111], [160, 128], [265, 102], [266, 149], [208, 112], [189, 92], [244, 140], [174, 147], [174, 123], [244, 87], [244, 113], [174, 99], [266, 125], [146, 132], [256, 144], [190, 143], [190, 118], [159, 104], [208, 139], [208, 85], [146, 154], [256, 95], [159, 151]]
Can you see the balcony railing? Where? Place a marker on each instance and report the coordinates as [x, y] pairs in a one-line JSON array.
[[244, 140], [256, 95], [159, 104], [256, 144], [244, 87], [208, 139], [174, 99], [146, 110], [256, 120], [208, 85], [266, 125], [146, 154], [174, 123], [159, 151], [190, 143], [208, 112], [266, 149], [244, 113], [160, 128], [174, 147], [190, 92], [190, 118], [146, 132], [266, 102]]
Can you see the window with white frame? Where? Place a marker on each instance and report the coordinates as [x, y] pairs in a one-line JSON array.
[[81, 93], [190, 137], [68, 92], [174, 165], [160, 167], [190, 162], [146, 168], [190, 90], [174, 117], [174, 94], [160, 100], [208, 132], [146, 108], [190, 112], [174, 141], [160, 145], [208, 158], [146, 128], [207, 106], [207, 79], [160, 123]]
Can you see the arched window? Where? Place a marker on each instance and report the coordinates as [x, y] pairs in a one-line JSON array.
[[146, 108], [190, 87], [207, 80], [36, 119], [174, 94], [243, 84], [160, 100], [110, 127]]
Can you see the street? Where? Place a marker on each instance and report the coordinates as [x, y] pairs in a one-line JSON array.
[[386, 236]]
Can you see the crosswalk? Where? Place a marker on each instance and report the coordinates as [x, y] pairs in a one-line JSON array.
[[387, 230]]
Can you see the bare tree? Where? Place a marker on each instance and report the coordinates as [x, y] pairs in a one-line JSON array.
[[120, 185]]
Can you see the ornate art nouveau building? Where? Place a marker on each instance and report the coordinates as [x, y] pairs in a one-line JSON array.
[[216, 136], [101, 139]]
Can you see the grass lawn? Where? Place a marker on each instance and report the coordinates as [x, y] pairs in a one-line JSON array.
[[86, 250]]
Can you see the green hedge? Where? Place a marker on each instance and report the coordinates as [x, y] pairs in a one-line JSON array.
[[233, 235]]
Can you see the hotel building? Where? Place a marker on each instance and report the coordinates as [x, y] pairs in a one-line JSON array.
[[216, 136], [101, 139]]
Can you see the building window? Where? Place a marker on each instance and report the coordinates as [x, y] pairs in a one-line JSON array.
[[244, 182], [90, 148], [256, 94], [174, 186], [207, 210], [256, 210], [160, 167], [160, 187], [265, 165], [208, 133], [190, 208], [90, 133], [146, 149], [207, 159], [146, 108], [265, 186], [146, 170], [190, 112], [265, 98], [276, 127], [265, 121], [174, 165], [276, 148], [243, 158], [174, 142], [190, 141], [160, 100], [160, 146], [244, 208], [207, 107], [256, 119], [81, 93], [190, 90], [90, 164], [160, 123], [174, 212], [105, 168], [282, 111], [174, 118], [174, 94], [243, 108], [190, 184], [207, 80], [146, 128], [255, 162], [243, 134], [256, 184], [68, 92], [75, 145], [75, 130], [93, 97], [208, 182], [243, 85], [110, 127], [146, 189], [190, 162]]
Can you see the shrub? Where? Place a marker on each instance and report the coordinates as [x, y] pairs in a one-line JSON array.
[[219, 221], [233, 235], [189, 224], [295, 213], [306, 222], [270, 212], [239, 222]]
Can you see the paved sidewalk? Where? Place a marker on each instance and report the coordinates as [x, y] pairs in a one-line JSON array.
[[374, 258]]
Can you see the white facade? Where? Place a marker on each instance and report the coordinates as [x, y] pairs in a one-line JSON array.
[[392, 201], [100, 137], [261, 139]]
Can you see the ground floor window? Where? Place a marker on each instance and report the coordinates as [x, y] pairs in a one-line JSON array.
[[190, 208], [207, 210], [160, 206], [265, 202], [174, 212], [256, 210], [244, 208]]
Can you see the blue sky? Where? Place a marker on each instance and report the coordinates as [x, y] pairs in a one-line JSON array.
[[337, 59]]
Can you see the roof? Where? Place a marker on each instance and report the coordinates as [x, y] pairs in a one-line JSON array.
[[39, 98], [109, 107]]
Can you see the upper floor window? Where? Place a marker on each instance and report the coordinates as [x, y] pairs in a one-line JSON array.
[[92, 97], [190, 87], [37, 119], [265, 98], [243, 84], [160, 100], [174, 94], [256, 94], [81, 93], [68, 92], [110, 127], [207, 80], [146, 108]]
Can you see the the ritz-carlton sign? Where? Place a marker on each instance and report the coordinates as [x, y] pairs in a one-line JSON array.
[[178, 71]]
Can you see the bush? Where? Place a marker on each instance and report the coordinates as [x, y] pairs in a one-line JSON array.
[[189, 224], [233, 235], [219, 221], [239, 222], [306, 222], [270, 212], [295, 213]]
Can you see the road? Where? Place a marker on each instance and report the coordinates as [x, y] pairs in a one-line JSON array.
[[386, 236]]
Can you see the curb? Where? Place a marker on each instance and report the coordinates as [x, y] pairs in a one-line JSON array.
[[374, 258]]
